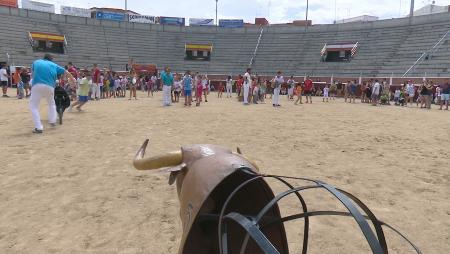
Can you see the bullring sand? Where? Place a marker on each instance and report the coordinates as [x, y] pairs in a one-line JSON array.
[[73, 189]]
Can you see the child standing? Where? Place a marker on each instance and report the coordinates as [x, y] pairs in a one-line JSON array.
[[298, 92], [187, 86], [205, 86], [256, 93], [397, 96], [177, 89], [220, 90], [291, 84], [199, 92], [326, 92], [20, 90], [133, 87], [229, 86]]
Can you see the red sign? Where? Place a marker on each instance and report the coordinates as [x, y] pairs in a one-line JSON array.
[[144, 68], [9, 3]]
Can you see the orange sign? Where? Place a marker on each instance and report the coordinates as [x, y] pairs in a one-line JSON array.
[[47, 36], [9, 3]]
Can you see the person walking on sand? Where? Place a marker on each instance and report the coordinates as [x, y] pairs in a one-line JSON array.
[[44, 75], [167, 82], [83, 92], [298, 92]]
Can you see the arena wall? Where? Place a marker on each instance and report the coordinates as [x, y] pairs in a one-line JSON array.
[[386, 47]]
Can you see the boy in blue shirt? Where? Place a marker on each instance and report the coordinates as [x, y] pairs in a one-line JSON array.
[[187, 88]]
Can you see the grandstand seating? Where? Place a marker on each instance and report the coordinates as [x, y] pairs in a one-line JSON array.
[[385, 47]]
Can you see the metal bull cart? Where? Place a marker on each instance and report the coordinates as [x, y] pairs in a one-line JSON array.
[[227, 207]]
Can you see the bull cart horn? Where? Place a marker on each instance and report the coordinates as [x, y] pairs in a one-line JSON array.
[[156, 162]]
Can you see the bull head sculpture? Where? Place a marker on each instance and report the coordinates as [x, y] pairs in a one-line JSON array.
[[226, 206]]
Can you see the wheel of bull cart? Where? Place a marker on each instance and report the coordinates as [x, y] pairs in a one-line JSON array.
[[60, 115]]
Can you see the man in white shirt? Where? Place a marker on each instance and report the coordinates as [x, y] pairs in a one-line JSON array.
[[4, 80], [375, 92], [278, 80], [247, 83], [410, 90]]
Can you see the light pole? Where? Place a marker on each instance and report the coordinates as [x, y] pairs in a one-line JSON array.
[[126, 5], [216, 13], [411, 10], [307, 8]]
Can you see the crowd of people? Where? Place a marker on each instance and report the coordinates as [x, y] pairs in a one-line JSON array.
[[82, 86]]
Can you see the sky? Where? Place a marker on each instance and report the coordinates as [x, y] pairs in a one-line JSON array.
[[276, 11]]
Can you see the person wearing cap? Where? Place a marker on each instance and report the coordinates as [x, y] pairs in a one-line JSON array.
[[44, 74]]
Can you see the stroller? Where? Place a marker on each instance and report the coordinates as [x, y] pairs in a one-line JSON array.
[[62, 101]]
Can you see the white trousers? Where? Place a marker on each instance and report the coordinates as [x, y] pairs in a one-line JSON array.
[[246, 92], [38, 92], [276, 96], [166, 95], [229, 90], [95, 92]]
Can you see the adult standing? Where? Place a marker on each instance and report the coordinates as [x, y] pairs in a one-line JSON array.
[[44, 75], [278, 80], [247, 82], [445, 95], [308, 89], [376, 89], [426, 94], [95, 74], [167, 82], [4, 79], [410, 92], [229, 85]]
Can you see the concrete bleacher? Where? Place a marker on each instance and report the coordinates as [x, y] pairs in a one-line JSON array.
[[387, 47]]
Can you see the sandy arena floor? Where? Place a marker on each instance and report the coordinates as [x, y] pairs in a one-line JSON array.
[[74, 190]]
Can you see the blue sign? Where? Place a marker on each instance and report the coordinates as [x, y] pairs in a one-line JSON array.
[[110, 16], [171, 21], [231, 23]]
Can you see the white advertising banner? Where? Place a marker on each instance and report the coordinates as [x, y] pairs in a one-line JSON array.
[[141, 19], [201, 22], [74, 11], [38, 6]]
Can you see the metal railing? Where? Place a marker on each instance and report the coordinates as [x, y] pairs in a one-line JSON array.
[[427, 55], [256, 48]]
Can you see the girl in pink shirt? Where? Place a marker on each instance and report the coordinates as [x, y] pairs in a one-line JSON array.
[[199, 91]]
